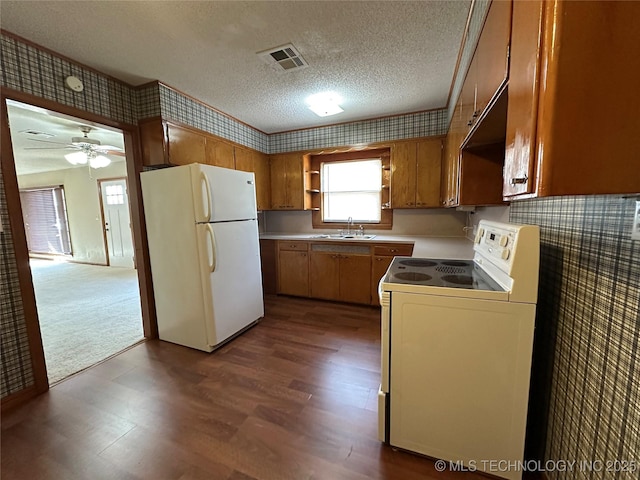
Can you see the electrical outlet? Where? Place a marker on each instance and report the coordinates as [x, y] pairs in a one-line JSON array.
[[635, 229]]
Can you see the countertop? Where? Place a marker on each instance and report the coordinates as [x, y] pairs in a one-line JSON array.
[[423, 246]]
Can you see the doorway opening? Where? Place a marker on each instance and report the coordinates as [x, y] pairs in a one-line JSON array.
[[72, 178]]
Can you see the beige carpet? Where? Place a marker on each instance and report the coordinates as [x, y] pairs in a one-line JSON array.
[[87, 313]]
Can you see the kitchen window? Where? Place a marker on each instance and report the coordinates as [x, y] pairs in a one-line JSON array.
[[351, 189], [352, 184]]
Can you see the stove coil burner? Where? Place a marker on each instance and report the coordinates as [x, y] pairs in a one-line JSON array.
[[413, 276], [454, 263], [450, 270], [459, 279], [417, 263]]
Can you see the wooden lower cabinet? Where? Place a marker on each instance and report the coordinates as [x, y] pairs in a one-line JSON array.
[[355, 278], [293, 271], [324, 273], [341, 277], [343, 272]]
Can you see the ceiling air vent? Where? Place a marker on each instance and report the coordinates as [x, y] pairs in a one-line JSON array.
[[285, 57]]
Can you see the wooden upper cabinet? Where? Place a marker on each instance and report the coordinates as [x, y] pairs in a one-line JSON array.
[[493, 52], [429, 164], [403, 175], [522, 109], [185, 146], [572, 120], [415, 173], [258, 163], [489, 67], [287, 188], [152, 142], [220, 153]]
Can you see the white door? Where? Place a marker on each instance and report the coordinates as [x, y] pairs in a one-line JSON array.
[[231, 277], [117, 223], [222, 195]]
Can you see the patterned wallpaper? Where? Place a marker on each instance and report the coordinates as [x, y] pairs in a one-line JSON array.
[[14, 348], [585, 402], [181, 108], [421, 124], [42, 74]]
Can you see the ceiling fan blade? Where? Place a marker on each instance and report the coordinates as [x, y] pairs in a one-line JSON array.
[[108, 147], [47, 141], [116, 153], [50, 148]]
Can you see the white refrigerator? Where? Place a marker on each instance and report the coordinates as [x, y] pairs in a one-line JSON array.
[[204, 252]]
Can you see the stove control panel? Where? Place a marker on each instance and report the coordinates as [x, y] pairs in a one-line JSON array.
[[496, 242]]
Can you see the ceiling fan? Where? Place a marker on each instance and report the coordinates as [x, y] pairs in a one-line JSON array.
[[89, 150]]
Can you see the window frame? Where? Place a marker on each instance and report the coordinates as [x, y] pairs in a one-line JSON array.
[[386, 214], [61, 212]]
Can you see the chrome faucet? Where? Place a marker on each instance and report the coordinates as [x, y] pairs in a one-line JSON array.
[[349, 226]]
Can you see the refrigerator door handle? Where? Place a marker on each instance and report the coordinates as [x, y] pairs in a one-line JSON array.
[[211, 249], [206, 201]]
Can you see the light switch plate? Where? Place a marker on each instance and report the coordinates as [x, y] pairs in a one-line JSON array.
[[635, 229]]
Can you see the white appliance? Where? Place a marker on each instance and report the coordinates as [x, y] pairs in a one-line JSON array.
[[457, 340], [204, 251]]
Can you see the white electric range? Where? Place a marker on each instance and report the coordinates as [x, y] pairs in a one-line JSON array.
[[457, 340]]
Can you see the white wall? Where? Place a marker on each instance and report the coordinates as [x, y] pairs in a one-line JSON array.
[[437, 222], [495, 214], [83, 205]]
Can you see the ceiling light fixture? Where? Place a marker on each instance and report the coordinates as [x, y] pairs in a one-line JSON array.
[[81, 158], [325, 104]]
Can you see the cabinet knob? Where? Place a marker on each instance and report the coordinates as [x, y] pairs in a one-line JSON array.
[[519, 180], [393, 250]]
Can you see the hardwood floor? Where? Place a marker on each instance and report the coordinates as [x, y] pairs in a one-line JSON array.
[[293, 398]]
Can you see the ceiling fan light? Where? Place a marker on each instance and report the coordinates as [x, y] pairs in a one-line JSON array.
[[76, 158], [99, 161]]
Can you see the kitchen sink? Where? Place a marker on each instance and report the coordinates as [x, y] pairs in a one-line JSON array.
[[344, 237]]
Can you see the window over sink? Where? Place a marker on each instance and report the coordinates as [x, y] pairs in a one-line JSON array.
[[350, 185], [351, 190]]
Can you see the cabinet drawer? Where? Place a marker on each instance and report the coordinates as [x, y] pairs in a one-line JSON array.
[[396, 250], [293, 245]]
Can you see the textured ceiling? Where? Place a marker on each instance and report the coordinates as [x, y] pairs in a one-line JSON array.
[[383, 58], [37, 156]]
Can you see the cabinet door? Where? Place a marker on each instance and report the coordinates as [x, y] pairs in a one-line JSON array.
[[294, 182], [468, 97], [403, 175], [220, 153], [244, 159], [324, 271], [355, 278], [185, 146], [286, 182], [278, 169], [429, 164], [152, 136], [258, 163], [379, 265], [522, 110], [293, 273], [263, 180], [491, 51]]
